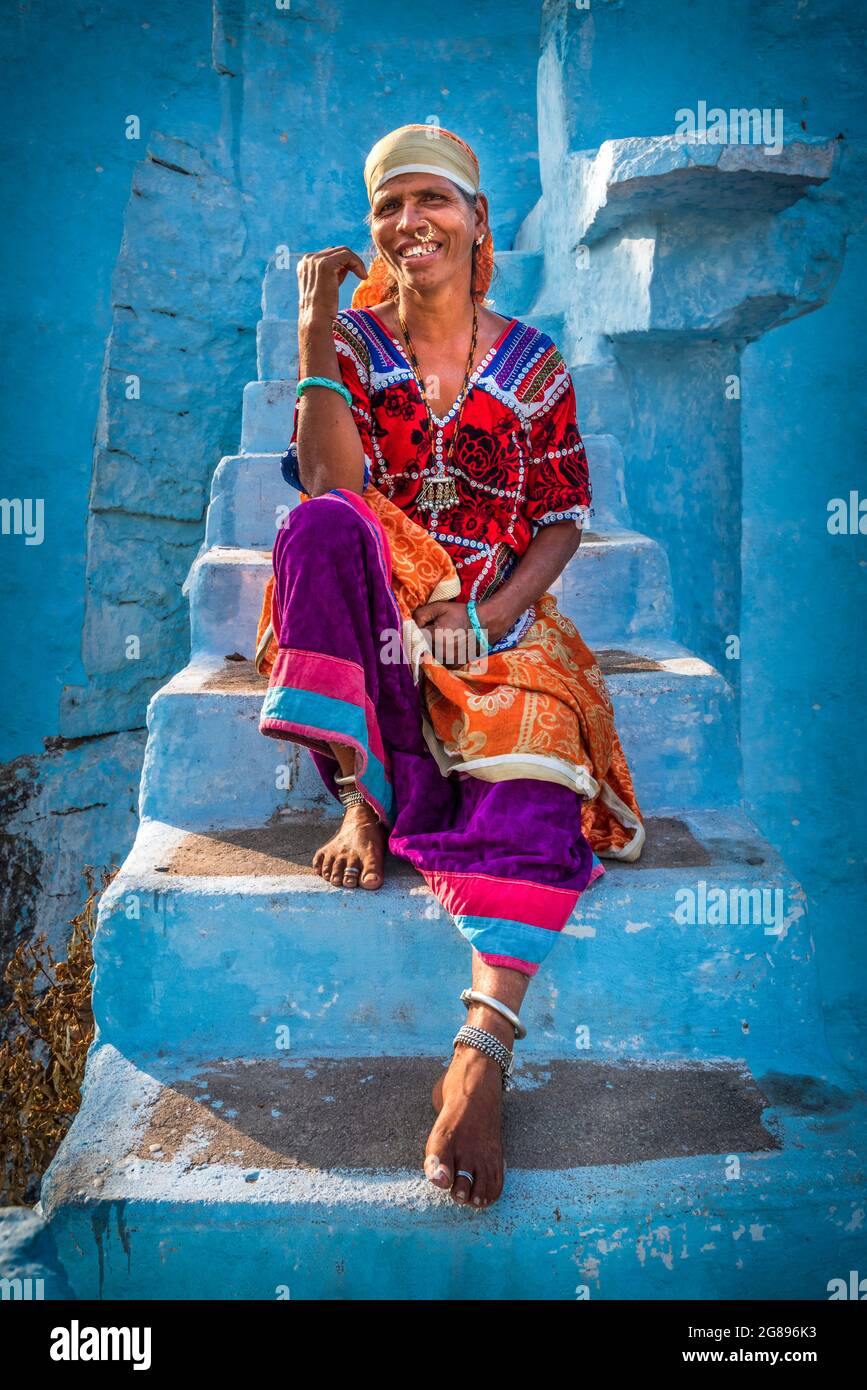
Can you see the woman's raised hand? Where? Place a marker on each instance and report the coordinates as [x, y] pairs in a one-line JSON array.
[[320, 275]]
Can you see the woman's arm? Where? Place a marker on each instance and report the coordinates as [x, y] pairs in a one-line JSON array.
[[330, 452], [543, 561]]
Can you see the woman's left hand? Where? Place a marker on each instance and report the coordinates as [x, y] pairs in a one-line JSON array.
[[451, 617]]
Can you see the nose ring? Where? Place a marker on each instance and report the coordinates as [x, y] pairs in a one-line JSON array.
[[429, 236]]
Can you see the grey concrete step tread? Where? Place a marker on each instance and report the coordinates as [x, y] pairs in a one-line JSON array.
[[158, 1186], [721, 842], [329, 1131], [373, 1113]]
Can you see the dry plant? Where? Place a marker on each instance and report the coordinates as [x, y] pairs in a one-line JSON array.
[[49, 1024]]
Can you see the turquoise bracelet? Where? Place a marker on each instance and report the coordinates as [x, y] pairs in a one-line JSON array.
[[323, 381], [476, 625]]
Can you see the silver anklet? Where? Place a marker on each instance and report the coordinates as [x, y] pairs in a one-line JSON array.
[[485, 1042], [354, 798], [472, 996], [348, 791]]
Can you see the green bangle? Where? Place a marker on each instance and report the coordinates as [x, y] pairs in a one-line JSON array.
[[477, 629], [324, 381]]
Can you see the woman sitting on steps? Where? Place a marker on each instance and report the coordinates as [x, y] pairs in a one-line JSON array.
[[414, 646]]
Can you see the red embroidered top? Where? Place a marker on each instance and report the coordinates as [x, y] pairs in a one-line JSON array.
[[518, 462]]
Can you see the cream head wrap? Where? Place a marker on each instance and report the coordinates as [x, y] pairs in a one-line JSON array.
[[422, 149]]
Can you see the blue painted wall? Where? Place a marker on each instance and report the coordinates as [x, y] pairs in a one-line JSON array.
[[259, 93], [66, 165], [744, 513], [804, 662], [639, 61]]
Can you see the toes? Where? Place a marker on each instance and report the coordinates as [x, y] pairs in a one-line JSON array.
[[464, 1186], [481, 1189], [474, 1188], [337, 867], [351, 872], [371, 874], [438, 1171], [495, 1177]]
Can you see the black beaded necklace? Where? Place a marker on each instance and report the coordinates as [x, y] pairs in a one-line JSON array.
[[438, 492]]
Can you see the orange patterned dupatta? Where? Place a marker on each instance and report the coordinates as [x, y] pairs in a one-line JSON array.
[[539, 710]]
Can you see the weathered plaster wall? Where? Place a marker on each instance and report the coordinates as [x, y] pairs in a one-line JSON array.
[[804, 663], [633, 63], [80, 71], [738, 489], [198, 231], [144, 259], [245, 96]]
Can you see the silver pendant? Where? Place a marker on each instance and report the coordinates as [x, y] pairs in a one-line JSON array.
[[438, 493]]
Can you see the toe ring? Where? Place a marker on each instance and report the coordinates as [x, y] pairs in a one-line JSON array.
[[471, 1177]]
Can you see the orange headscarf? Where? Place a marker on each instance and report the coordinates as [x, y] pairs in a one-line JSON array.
[[380, 283]]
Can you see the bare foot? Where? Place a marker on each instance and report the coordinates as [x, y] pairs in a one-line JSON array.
[[468, 1132], [355, 854]]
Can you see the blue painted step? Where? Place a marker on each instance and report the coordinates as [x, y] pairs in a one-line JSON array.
[[301, 1180], [206, 762], [617, 587], [217, 941]]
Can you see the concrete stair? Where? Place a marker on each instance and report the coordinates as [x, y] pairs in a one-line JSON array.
[[298, 1178], [227, 584], [262, 944], [206, 761], [256, 1101]]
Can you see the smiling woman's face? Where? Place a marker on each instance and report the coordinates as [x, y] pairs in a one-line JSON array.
[[410, 206]]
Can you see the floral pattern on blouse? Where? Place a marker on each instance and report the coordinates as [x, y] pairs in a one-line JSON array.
[[518, 463]]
